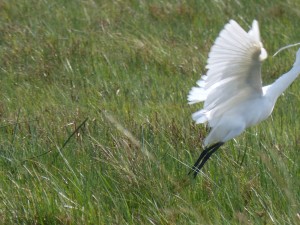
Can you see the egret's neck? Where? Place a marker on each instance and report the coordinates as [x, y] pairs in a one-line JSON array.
[[282, 83]]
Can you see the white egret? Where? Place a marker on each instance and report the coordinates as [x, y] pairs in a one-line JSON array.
[[232, 91]]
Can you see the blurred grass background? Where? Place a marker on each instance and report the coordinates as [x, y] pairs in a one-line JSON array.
[[127, 66]]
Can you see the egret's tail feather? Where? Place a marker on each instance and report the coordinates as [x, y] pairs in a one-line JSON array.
[[200, 116], [198, 94]]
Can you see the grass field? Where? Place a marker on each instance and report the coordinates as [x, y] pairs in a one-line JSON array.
[[127, 66]]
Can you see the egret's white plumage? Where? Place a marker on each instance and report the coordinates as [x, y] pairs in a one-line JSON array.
[[232, 91]]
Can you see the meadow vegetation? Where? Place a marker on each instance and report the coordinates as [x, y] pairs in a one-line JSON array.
[[95, 126]]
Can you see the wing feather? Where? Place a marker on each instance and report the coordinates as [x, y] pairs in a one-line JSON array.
[[234, 65]]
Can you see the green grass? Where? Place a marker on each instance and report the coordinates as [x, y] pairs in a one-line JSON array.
[[127, 66]]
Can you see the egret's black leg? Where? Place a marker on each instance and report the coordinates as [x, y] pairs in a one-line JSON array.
[[202, 155], [205, 155]]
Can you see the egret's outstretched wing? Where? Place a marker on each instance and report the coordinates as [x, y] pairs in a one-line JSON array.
[[233, 75]]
